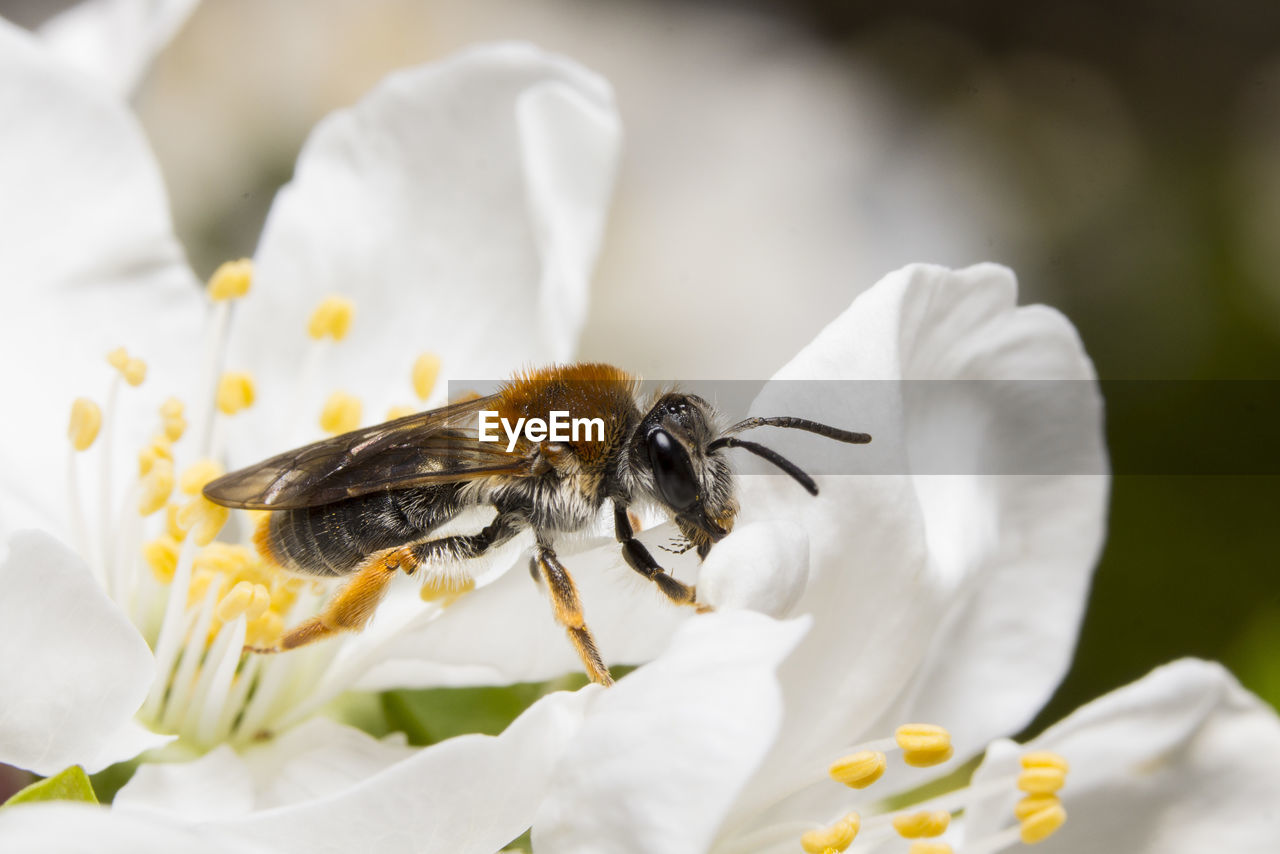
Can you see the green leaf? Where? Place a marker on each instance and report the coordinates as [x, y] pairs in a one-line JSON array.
[[71, 784], [434, 714]]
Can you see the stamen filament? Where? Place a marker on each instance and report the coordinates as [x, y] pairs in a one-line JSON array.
[[182, 685], [215, 681]]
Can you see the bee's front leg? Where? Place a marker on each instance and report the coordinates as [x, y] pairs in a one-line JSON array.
[[639, 559]]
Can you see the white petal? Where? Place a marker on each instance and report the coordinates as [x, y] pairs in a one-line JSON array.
[[473, 793], [506, 632], [759, 567], [59, 828], [314, 760], [664, 753], [114, 41], [459, 205], [928, 590], [89, 263], [73, 669], [1019, 529], [1182, 761]]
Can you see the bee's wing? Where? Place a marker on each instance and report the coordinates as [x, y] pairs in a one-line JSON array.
[[437, 446]]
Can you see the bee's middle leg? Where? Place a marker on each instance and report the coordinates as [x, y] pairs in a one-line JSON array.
[[568, 610], [353, 605]]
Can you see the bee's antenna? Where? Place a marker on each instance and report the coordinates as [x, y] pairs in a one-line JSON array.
[[772, 456], [830, 432]]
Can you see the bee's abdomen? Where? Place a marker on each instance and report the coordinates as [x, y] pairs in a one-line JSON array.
[[333, 539]]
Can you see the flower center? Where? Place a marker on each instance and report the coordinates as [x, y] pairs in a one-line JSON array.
[[1038, 815], [204, 600]]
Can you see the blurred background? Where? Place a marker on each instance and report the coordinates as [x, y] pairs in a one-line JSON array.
[[1122, 157]]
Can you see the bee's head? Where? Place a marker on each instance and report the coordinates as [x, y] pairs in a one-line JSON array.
[[673, 463]]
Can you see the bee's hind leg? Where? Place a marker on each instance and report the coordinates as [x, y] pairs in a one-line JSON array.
[[353, 605]]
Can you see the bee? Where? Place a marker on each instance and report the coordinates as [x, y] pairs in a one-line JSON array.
[[364, 505]]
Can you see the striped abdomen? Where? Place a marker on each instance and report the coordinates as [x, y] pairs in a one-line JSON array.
[[333, 539]]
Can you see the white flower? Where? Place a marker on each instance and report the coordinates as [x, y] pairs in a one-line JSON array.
[[486, 175], [946, 587]]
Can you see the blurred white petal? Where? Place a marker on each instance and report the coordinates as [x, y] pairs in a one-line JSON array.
[[114, 41], [89, 264], [460, 205], [760, 567], [73, 669], [64, 828], [1182, 761]]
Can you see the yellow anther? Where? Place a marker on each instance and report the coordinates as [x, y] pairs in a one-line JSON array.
[[235, 392], [175, 427], [86, 421], [1041, 781], [1045, 759], [159, 449], [161, 554], [201, 581], [341, 413], [923, 744], [197, 475], [134, 372], [858, 770], [171, 526], [837, 837], [202, 519], [1032, 804], [231, 280], [331, 318], [400, 412], [172, 408], [260, 603], [922, 824], [265, 630], [157, 486], [930, 848], [118, 358], [1039, 826], [446, 589], [235, 603], [426, 370]]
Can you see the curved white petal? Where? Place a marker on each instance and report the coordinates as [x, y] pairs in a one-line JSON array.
[[89, 263], [459, 205], [1182, 761], [114, 41], [473, 793], [73, 669], [761, 567], [1018, 528], [664, 752], [928, 590], [60, 827], [314, 760]]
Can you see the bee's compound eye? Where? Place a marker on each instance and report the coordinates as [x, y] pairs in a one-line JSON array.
[[672, 470]]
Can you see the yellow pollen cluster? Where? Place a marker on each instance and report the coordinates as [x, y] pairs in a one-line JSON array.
[[235, 392], [1040, 813], [837, 837], [923, 745], [200, 517], [197, 475], [446, 589], [341, 413], [426, 370], [231, 280], [930, 848], [331, 318], [400, 412], [156, 483], [133, 370], [86, 421], [246, 586]]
